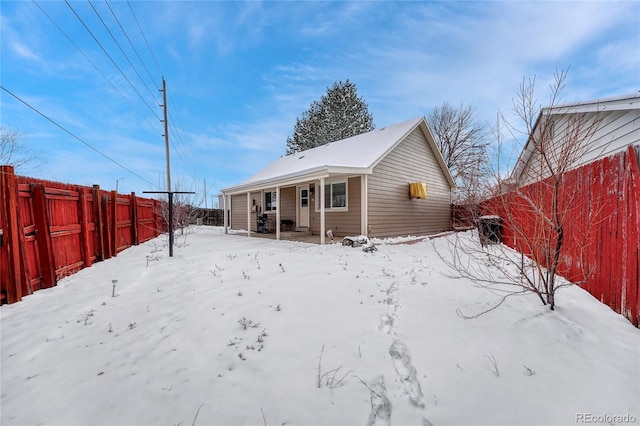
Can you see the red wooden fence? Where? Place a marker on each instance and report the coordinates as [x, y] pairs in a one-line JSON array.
[[601, 233], [49, 230]]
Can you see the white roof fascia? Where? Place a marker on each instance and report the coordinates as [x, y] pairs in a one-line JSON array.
[[436, 151], [523, 158], [422, 124], [341, 170], [614, 103]]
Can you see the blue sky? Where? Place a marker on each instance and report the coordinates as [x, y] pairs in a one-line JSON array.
[[240, 73]]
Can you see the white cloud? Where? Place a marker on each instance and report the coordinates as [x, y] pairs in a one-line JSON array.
[[219, 28], [23, 51], [241, 73], [621, 56]]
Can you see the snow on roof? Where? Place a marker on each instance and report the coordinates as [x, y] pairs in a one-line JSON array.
[[357, 153]]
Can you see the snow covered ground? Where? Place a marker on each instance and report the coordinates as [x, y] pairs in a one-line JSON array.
[[248, 331]]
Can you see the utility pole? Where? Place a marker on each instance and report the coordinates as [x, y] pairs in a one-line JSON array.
[[166, 147], [166, 132]]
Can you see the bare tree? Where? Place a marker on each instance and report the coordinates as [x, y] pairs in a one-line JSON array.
[[185, 212], [463, 141], [536, 203], [14, 152]]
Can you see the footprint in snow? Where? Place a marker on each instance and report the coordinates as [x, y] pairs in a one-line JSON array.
[[407, 372], [386, 324], [380, 404]]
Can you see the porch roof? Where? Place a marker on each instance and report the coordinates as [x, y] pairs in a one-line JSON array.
[[354, 155]]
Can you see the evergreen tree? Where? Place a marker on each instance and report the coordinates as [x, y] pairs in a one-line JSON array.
[[339, 114]]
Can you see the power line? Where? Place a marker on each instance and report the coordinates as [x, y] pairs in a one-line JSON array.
[[93, 64], [143, 36], [186, 162], [110, 58], [129, 40], [120, 47], [74, 136], [183, 157], [178, 145], [182, 151]]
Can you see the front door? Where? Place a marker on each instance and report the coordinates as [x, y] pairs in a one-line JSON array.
[[303, 206]]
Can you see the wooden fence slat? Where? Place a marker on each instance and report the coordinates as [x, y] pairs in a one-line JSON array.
[[134, 220], [43, 235], [106, 230], [84, 228], [62, 193], [632, 254], [98, 219], [65, 229], [12, 285], [625, 215], [620, 234], [114, 223]]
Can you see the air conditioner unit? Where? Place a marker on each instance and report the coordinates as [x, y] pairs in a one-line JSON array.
[[418, 190]]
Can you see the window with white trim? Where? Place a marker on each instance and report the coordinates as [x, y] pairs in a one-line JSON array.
[[270, 201], [335, 196]]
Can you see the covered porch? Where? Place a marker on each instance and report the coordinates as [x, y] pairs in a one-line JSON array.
[[303, 209], [287, 236]]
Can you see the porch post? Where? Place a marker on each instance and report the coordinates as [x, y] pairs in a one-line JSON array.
[[248, 214], [322, 223], [364, 206], [224, 213], [277, 212]]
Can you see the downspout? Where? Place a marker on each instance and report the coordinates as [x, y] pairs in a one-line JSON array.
[[322, 222], [248, 214], [277, 213], [224, 213], [364, 206]]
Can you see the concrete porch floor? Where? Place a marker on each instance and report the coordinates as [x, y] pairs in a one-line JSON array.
[[289, 236]]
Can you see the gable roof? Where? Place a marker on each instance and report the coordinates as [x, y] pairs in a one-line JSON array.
[[601, 105], [356, 155]]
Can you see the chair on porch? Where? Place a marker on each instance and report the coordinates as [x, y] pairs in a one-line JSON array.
[[262, 223]]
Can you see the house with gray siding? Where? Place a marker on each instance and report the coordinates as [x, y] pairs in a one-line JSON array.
[[617, 126], [355, 186]]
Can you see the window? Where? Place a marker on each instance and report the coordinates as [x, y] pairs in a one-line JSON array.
[[335, 196], [270, 201]]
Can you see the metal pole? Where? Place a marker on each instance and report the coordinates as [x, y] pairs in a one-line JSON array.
[[166, 132], [206, 211], [117, 180], [170, 194], [170, 224]]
